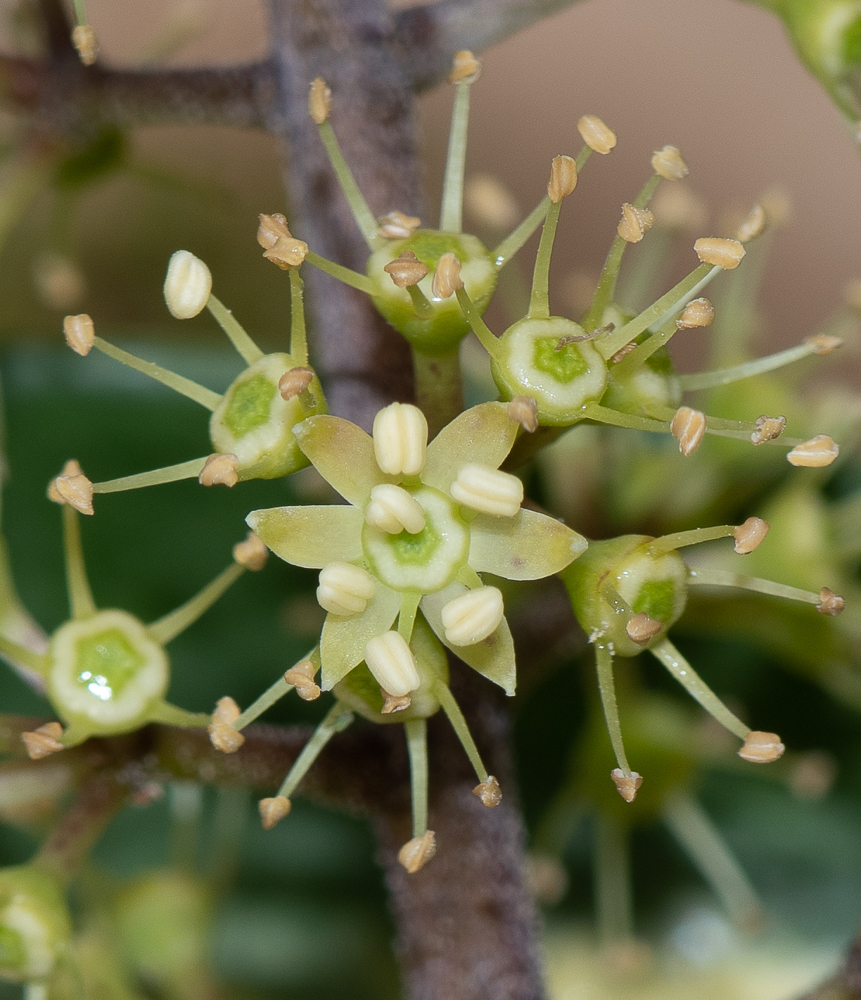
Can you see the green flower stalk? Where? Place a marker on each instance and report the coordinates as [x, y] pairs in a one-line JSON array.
[[105, 672], [251, 427]]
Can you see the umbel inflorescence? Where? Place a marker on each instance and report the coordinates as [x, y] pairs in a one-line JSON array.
[[433, 500]]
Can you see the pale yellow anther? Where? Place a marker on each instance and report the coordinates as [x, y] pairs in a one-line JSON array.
[[295, 381], [697, 313], [79, 333], [749, 535], [640, 628], [416, 853], [822, 343], [767, 428], [287, 252], [319, 100], [524, 411], [220, 470], [394, 510], [627, 785], [465, 67], [830, 603], [226, 711], [344, 589], [394, 703], [397, 226], [597, 136], [400, 439], [302, 678], [187, 285], [406, 270], [225, 738], [72, 487], [635, 223], [86, 44], [271, 228], [761, 748], [473, 616], [489, 792], [816, 453], [719, 252], [446, 277], [392, 663], [688, 427], [563, 178], [754, 225], [250, 553], [43, 741], [273, 810], [668, 163], [488, 490], [490, 202]]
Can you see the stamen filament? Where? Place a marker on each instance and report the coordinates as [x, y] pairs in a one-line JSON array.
[[692, 293], [612, 882], [638, 357], [606, 289], [699, 837], [604, 665], [416, 730], [170, 715], [451, 212], [666, 306], [489, 341], [184, 386], [725, 578], [298, 336], [272, 694], [407, 616], [248, 350], [81, 603], [420, 301], [685, 674], [512, 243], [17, 654], [615, 418], [156, 477], [355, 199], [679, 539], [458, 724], [539, 301], [336, 720], [80, 12], [758, 366], [344, 274], [170, 626]]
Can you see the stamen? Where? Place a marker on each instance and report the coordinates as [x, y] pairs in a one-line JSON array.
[[319, 100], [830, 603], [512, 243], [473, 616], [719, 252], [679, 539], [446, 278], [248, 350], [563, 178], [767, 429], [345, 589], [688, 427], [636, 222], [223, 735], [250, 553], [488, 490], [458, 724], [301, 677], [489, 340], [81, 603], [392, 663], [72, 487], [816, 453], [641, 628], [416, 853], [596, 134], [287, 252], [758, 366], [741, 581], [749, 536], [761, 748], [697, 313], [271, 228], [343, 274], [394, 510], [86, 44], [523, 410], [753, 225], [400, 439], [489, 792], [397, 226], [275, 692], [79, 333], [627, 785], [416, 731], [465, 71], [43, 741], [336, 720], [169, 474], [219, 470], [273, 810], [295, 381], [298, 336], [668, 163], [172, 624], [187, 285], [607, 688]]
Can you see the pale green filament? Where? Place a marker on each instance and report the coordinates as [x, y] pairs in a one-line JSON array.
[[298, 336], [609, 275], [667, 305], [679, 539], [691, 293], [169, 474], [458, 724], [723, 578], [758, 366], [177, 621], [615, 418], [604, 664], [416, 730], [248, 350], [613, 882], [167, 715], [407, 617], [358, 206], [178, 383], [336, 720], [16, 654], [638, 357], [81, 603], [489, 340], [685, 674], [451, 212], [80, 12], [343, 274], [704, 845], [422, 306], [511, 244], [272, 694]]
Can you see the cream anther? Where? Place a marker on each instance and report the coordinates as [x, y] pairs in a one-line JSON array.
[[397, 226], [635, 223], [761, 748], [488, 490], [79, 333], [626, 784], [719, 252], [446, 277], [392, 663], [394, 510], [749, 535], [220, 470], [688, 427], [473, 616], [767, 428], [597, 136], [187, 285], [698, 312], [319, 100], [563, 178], [344, 589], [816, 453], [668, 163], [400, 439]]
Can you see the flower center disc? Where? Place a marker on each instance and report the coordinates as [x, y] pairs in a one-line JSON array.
[[426, 561]]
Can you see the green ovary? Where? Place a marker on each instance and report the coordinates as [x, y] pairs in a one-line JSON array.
[[426, 561], [107, 661], [249, 405], [563, 366], [658, 599]]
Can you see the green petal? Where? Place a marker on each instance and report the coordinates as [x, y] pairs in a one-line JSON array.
[[525, 547], [493, 657], [483, 435], [310, 536], [343, 641], [343, 454]]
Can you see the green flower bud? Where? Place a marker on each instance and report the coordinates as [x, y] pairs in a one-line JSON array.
[[34, 923]]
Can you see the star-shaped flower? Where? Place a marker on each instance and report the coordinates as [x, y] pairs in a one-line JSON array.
[[422, 521]]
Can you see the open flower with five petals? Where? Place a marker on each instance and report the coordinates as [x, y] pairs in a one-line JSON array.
[[421, 522]]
